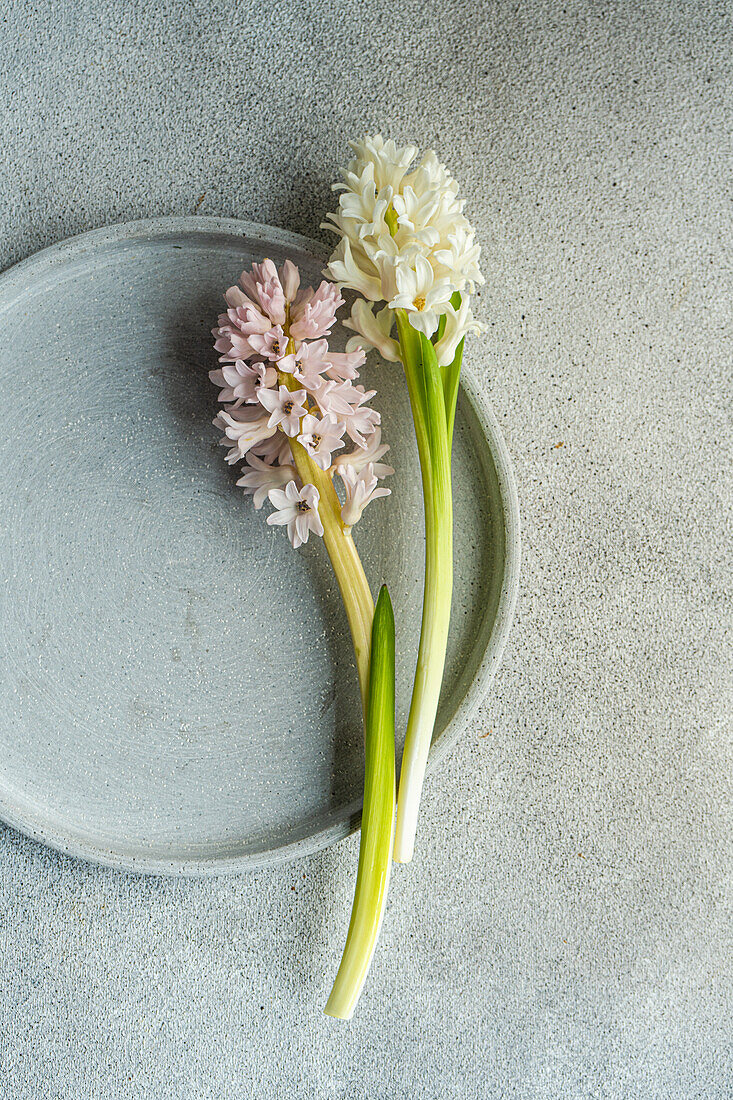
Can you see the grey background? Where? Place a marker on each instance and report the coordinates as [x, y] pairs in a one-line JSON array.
[[563, 931]]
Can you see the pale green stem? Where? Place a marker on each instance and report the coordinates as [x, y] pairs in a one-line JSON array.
[[372, 877], [428, 409]]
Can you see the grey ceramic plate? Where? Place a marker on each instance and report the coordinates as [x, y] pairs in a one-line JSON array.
[[177, 690]]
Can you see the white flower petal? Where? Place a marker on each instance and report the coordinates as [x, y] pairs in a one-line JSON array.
[[374, 330]]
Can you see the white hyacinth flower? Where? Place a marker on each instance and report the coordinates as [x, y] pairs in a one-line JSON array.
[[350, 267], [298, 508], [261, 477], [404, 241], [361, 487], [458, 258], [419, 293], [457, 324], [364, 208], [385, 161], [417, 214], [431, 175], [373, 331]]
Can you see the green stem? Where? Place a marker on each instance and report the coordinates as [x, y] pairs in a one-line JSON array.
[[425, 387], [372, 877]]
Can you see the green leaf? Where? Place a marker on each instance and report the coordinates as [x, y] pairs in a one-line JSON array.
[[372, 876], [455, 301], [451, 379], [451, 373], [434, 396], [411, 353]]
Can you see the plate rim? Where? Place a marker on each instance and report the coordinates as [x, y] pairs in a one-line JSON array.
[[38, 828]]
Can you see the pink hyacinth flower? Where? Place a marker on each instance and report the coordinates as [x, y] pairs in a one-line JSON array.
[[314, 314], [298, 508], [244, 427], [271, 344]]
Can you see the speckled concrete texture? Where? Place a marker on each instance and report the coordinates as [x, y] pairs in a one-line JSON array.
[[563, 932]]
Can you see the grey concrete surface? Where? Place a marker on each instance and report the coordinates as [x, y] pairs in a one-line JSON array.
[[564, 931]]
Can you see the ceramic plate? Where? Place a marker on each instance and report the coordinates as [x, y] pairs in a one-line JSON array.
[[177, 687]]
